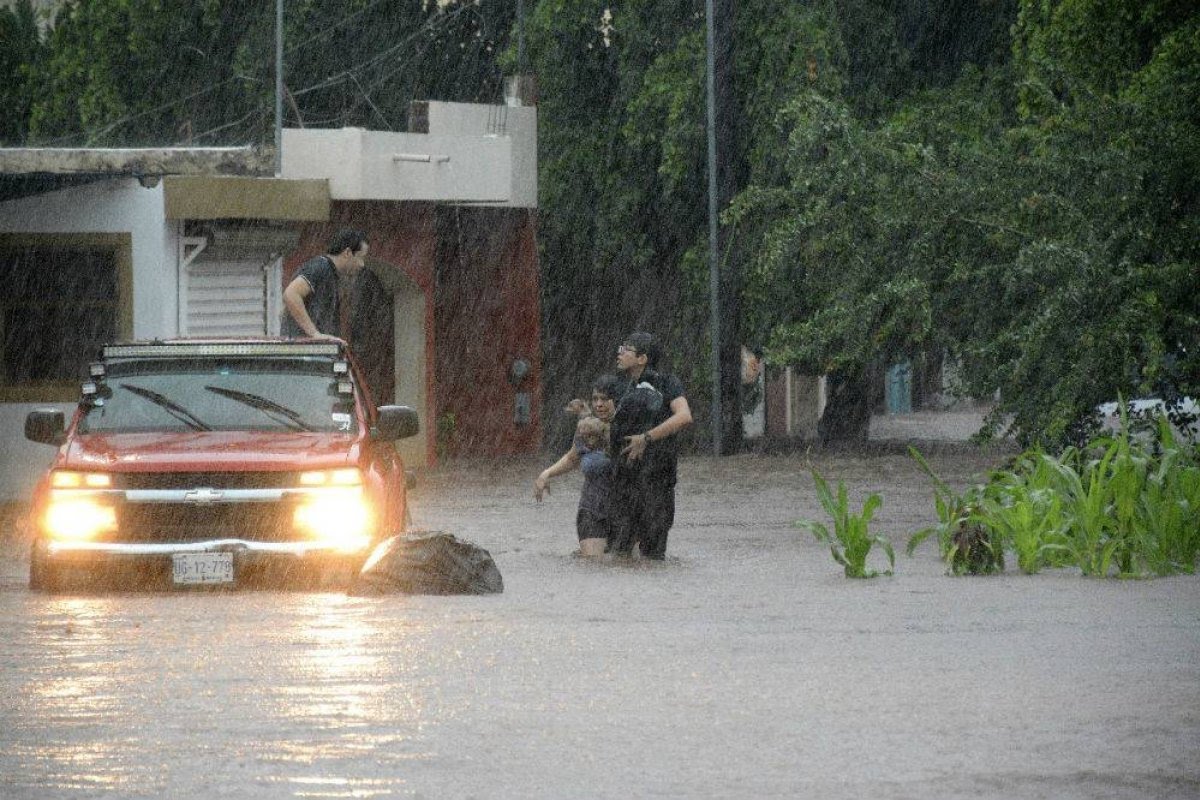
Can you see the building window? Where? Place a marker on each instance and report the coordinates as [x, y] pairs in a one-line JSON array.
[[60, 303]]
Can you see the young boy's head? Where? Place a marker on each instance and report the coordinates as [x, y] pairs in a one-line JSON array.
[[604, 395], [593, 432]]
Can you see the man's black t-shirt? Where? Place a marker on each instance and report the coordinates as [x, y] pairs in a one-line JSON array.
[[322, 303], [642, 405]]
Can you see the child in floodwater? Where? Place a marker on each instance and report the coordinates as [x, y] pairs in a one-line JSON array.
[[589, 452]]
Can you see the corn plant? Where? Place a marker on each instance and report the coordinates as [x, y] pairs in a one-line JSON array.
[[967, 547], [1131, 507], [1126, 478], [1166, 512], [1023, 510], [851, 540], [1089, 539], [1120, 505]]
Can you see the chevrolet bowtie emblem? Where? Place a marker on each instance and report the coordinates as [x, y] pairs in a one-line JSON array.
[[202, 496]]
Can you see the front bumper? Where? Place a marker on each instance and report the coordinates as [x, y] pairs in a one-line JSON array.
[[151, 565]]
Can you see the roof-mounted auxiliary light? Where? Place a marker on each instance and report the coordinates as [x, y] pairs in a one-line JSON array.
[[194, 349]]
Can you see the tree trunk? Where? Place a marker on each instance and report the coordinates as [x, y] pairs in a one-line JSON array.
[[847, 416]]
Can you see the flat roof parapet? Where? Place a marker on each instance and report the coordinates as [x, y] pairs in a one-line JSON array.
[[138, 161]]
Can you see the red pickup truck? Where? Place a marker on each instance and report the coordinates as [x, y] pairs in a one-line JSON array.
[[218, 462]]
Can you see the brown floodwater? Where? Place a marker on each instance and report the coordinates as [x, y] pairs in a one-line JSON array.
[[746, 665]]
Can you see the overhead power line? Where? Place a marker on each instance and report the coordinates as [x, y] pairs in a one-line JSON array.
[[432, 25]]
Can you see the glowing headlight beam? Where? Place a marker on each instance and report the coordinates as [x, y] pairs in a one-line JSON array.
[[77, 520], [338, 519]]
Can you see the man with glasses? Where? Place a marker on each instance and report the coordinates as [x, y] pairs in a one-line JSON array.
[[318, 298], [652, 409]]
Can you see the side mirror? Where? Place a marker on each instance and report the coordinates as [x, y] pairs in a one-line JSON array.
[[46, 426], [395, 422]]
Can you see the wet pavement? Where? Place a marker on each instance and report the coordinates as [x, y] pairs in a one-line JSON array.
[[744, 666]]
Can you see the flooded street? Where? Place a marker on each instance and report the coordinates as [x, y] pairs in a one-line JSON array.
[[744, 666]]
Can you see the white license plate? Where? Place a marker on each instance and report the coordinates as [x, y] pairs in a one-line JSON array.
[[202, 567]]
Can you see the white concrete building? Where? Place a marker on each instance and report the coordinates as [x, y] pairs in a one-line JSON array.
[[101, 245]]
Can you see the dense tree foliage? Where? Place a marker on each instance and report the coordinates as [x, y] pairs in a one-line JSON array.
[[158, 72], [21, 62], [1009, 186], [1034, 219]]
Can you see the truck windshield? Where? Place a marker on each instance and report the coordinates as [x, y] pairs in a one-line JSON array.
[[226, 395]]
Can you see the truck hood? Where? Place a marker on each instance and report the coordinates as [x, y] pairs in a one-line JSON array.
[[231, 451]]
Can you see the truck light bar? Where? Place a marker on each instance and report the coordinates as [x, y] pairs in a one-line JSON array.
[[185, 349]]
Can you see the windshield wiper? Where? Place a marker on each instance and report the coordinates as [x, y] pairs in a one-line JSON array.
[[270, 407], [174, 409]]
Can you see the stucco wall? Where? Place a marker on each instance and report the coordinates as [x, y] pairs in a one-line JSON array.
[[477, 268], [115, 206], [517, 124]]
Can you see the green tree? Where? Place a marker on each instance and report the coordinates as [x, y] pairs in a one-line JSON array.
[[156, 72], [141, 72], [1050, 245], [20, 62], [621, 187]]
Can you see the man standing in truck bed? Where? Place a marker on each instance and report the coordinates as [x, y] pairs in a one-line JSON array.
[[318, 298]]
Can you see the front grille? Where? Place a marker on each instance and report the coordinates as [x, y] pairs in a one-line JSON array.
[[187, 522], [208, 480]]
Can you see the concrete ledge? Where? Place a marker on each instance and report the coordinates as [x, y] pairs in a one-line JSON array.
[[141, 161]]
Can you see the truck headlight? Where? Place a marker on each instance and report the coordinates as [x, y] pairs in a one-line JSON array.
[[77, 519], [339, 518], [349, 476], [67, 479]]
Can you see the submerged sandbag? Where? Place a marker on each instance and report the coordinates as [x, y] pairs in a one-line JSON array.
[[428, 562]]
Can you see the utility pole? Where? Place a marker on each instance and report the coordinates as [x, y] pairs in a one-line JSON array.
[[278, 88], [725, 283], [727, 186], [714, 255], [521, 37]]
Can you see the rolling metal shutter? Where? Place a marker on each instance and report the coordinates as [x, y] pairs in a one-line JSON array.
[[229, 279], [228, 298]]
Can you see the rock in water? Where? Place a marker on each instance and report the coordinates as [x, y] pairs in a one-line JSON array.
[[428, 562]]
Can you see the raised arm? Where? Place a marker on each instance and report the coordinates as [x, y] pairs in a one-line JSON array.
[[293, 300]]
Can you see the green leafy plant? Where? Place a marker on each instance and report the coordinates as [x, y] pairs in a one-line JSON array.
[[967, 547], [1023, 509], [1123, 504], [1169, 507], [851, 540]]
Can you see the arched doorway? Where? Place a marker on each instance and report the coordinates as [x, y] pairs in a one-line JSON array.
[[389, 341]]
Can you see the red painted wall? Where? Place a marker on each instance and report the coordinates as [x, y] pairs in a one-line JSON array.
[[486, 315], [478, 270]]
